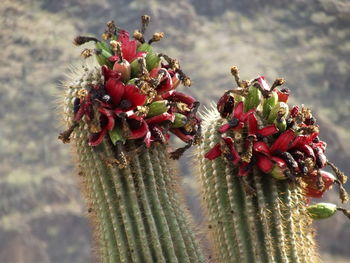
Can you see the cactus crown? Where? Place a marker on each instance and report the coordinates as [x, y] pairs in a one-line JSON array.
[[132, 96], [260, 131]]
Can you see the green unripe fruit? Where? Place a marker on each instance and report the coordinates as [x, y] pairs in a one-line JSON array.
[[322, 210], [152, 59], [281, 124], [280, 110], [135, 68], [132, 81], [105, 53], [157, 108], [277, 173], [238, 98], [104, 46], [116, 135], [180, 120], [145, 48], [269, 103], [253, 99]]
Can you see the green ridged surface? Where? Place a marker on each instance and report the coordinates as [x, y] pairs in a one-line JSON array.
[[135, 212], [270, 226]]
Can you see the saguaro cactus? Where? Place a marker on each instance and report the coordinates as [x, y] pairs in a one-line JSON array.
[[259, 163], [119, 116]]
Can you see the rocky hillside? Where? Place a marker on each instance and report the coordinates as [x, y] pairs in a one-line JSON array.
[[41, 214]]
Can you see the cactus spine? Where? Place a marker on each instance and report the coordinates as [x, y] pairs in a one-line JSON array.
[[270, 225], [135, 210]]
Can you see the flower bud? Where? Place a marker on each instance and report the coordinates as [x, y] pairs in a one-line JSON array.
[[253, 99], [321, 210], [138, 35], [116, 135], [280, 110], [157, 108], [270, 103], [156, 37]]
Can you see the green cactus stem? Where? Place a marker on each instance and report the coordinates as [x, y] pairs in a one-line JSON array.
[[135, 209], [255, 218]]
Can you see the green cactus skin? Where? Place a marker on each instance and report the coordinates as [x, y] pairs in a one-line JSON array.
[[270, 226], [135, 211]]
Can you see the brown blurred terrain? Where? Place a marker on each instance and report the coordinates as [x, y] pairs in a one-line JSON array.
[[42, 218]]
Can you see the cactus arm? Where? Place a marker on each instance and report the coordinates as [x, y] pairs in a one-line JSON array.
[[135, 210], [265, 227], [272, 159]]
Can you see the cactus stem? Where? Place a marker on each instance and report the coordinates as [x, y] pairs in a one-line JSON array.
[[270, 226], [134, 209]]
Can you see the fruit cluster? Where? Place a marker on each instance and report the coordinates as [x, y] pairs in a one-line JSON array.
[[136, 97], [260, 131]]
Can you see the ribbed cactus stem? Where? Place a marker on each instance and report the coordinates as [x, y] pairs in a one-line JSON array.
[[135, 211], [270, 225]]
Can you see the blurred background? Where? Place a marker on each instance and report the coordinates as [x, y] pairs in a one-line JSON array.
[[42, 217]]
